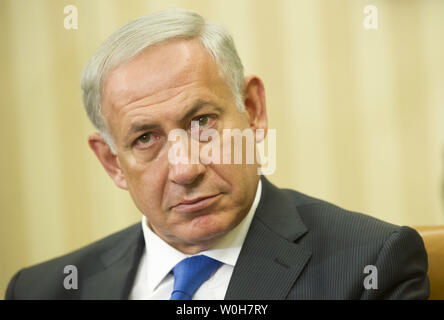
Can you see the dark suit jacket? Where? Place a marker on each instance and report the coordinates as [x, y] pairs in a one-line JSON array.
[[297, 247]]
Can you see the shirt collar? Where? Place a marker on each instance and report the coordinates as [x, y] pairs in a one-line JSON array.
[[161, 257]]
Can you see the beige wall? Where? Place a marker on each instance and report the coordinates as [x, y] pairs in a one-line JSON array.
[[359, 113]]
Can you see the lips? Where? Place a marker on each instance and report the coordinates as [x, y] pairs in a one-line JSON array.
[[195, 204]]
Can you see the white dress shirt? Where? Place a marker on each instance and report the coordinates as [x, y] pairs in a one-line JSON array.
[[155, 282]]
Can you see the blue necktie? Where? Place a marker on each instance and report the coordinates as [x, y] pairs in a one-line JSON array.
[[190, 273]]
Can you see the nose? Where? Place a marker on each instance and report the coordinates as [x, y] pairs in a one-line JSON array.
[[184, 165], [185, 174]]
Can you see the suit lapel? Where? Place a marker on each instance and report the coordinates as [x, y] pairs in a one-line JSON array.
[[120, 265], [270, 261]]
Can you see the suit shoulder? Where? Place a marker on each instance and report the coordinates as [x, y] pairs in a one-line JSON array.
[[343, 243], [97, 247], [325, 218], [50, 272]]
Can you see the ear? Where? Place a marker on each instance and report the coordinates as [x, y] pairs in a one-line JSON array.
[[108, 159], [254, 98]]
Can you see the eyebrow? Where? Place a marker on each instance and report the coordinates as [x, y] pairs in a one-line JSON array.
[[199, 104]]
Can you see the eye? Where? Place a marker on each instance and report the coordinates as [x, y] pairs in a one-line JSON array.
[[144, 140], [204, 120]]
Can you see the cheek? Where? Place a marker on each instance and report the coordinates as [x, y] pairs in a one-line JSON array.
[[234, 179], [243, 179], [146, 184]]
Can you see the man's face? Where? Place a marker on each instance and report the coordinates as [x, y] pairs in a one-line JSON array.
[[166, 87]]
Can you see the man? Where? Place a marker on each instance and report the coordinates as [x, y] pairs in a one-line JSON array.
[[210, 229]]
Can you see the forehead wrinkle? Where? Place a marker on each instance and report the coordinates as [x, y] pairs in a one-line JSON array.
[[164, 95], [169, 94], [148, 69], [143, 111], [150, 100], [135, 79]]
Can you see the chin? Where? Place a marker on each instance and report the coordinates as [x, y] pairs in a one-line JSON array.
[[206, 228]]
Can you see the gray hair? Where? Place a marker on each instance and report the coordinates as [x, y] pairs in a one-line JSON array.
[[130, 39]]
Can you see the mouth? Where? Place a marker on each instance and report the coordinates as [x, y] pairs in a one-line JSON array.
[[195, 204]]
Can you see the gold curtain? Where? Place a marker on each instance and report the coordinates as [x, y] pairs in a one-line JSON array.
[[359, 113]]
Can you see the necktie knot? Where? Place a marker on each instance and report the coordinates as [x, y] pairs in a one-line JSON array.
[[190, 273]]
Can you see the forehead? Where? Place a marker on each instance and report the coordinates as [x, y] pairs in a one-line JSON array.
[[159, 72]]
